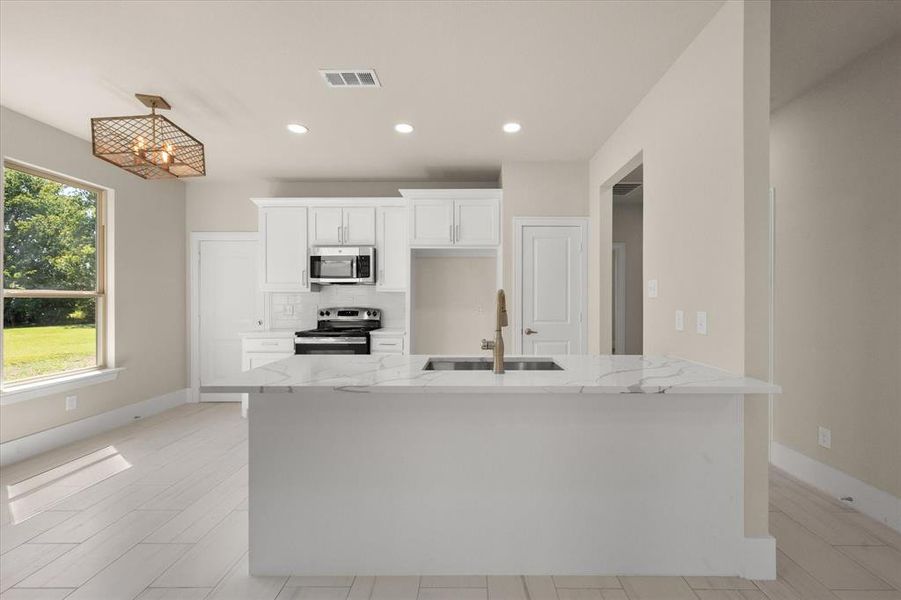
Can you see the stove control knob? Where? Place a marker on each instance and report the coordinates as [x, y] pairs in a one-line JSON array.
[[375, 313], [328, 313], [321, 313]]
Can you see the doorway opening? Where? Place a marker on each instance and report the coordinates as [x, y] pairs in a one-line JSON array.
[[628, 225]]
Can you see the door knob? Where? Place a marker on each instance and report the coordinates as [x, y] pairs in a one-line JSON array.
[[529, 331]]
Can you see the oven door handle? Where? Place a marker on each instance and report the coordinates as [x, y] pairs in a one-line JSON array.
[[346, 342]]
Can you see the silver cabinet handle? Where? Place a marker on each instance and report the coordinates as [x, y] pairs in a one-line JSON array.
[[339, 234], [303, 277], [529, 331], [381, 276], [458, 233], [451, 232]]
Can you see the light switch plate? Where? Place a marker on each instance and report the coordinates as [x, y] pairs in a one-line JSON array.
[[824, 437], [701, 322], [71, 402], [652, 288], [680, 320]]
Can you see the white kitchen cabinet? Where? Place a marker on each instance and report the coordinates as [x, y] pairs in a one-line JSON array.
[[391, 250], [259, 351], [342, 226], [382, 343], [359, 226], [326, 225], [432, 222], [476, 222], [472, 220], [283, 249]]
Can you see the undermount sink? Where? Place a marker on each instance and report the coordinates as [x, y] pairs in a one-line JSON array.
[[487, 364]]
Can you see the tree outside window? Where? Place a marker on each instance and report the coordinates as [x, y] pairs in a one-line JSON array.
[[53, 293]]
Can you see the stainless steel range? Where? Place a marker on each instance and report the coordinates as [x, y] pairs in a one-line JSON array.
[[339, 331]]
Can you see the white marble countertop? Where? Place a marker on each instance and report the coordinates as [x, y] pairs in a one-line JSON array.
[[581, 374]]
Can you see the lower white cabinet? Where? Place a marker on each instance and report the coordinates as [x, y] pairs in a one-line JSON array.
[[391, 249], [386, 343], [259, 351]]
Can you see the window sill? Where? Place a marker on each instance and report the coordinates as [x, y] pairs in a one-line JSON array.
[[28, 391]]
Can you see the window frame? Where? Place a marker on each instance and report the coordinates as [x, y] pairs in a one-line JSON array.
[[100, 291]]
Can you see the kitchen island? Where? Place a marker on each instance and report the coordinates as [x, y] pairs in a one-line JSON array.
[[610, 465]]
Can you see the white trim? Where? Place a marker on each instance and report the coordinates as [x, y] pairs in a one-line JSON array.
[[759, 558], [37, 389], [871, 501], [619, 297], [584, 223], [771, 321], [37, 443], [194, 300]]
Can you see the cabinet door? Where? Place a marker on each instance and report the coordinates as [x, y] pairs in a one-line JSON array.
[[283, 249], [359, 226], [432, 223], [391, 254], [477, 222], [326, 226]]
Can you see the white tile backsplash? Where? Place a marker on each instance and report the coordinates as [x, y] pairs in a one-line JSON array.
[[298, 310]]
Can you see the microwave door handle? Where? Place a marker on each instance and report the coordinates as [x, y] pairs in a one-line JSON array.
[[354, 268]]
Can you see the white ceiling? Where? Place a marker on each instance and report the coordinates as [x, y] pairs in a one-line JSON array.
[[813, 38], [237, 72]]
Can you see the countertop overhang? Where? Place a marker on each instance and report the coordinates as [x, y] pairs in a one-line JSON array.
[[581, 374]]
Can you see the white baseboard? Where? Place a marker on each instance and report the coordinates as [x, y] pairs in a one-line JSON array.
[[31, 445], [871, 501], [759, 558]]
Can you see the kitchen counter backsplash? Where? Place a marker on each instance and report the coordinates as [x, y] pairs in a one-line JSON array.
[[298, 311]]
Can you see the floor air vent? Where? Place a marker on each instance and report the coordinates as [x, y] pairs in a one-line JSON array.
[[347, 78]]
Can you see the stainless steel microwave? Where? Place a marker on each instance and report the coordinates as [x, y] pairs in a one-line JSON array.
[[342, 264]]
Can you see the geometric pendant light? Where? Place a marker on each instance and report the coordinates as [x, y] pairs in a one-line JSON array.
[[150, 146]]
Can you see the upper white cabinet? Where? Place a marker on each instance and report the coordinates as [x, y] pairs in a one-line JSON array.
[[432, 222], [454, 217], [477, 222], [391, 249], [325, 226], [283, 249], [336, 226]]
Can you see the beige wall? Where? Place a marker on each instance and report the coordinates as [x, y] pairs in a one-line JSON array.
[[835, 156], [149, 278], [698, 133], [453, 300], [627, 228], [539, 189], [226, 206]]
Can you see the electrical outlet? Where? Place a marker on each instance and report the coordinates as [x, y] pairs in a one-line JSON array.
[[652, 288], [289, 309], [701, 322], [824, 437], [680, 320], [71, 402]]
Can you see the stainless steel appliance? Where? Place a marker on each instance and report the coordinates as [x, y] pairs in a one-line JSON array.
[[342, 264], [339, 331]]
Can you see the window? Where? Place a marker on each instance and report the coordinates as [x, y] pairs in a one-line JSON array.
[[54, 304]]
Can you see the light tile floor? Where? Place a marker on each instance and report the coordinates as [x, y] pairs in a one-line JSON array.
[[157, 510]]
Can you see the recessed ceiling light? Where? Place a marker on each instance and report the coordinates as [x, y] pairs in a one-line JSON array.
[[512, 127], [403, 128], [297, 128]]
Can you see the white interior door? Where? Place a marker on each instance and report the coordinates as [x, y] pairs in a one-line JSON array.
[[552, 290], [229, 302]]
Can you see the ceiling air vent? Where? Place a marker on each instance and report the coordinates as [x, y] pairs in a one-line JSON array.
[[348, 78]]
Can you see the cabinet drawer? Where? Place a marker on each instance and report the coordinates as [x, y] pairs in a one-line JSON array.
[[269, 345], [387, 345]]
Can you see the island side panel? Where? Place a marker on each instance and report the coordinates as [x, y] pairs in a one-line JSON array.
[[422, 483]]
